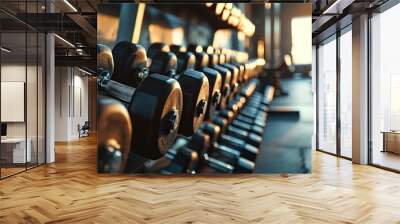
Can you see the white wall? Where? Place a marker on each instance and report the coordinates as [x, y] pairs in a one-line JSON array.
[[71, 94], [61, 103], [33, 126], [13, 73]]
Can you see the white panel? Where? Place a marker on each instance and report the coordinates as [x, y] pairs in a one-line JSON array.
[[12, 101]]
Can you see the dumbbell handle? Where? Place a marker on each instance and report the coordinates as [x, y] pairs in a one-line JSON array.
[[117, 90], [219, 165]]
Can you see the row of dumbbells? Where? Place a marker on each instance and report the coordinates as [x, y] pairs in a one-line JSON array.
[[229, 143], [148, 98]]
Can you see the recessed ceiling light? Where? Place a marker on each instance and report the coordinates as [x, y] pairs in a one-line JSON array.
[[5, 50], [84, 71], [70, 6], [337, 7], [65, 41]]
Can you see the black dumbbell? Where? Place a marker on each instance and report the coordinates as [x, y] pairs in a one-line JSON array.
[[130, 63], [178, 159], [200, 142], [235, 136], [231, 59], [213, 64], [224, 152], [183, 159], [240, 106], [264, 99], [233, 112], [243, 140], [222, 61], [194, 84], [154, 102], [214, 79], [190, 156]]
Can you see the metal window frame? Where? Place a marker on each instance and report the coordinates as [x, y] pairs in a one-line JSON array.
[[334, 37], [386, 6]]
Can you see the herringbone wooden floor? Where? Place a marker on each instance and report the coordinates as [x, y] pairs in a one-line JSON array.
[[70, 191]]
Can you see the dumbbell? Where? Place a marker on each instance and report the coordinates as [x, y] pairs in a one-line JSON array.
[[239, 134], [263, 100], [218, 61], [154, 102], [241, 101], [113, 145], [252, 105], [212, 63], [213, 76], [194, 84], [223, 62], [234, 113], [200, 142], [238, 142], [243, 133], [183, 159], [253, 127], [231, 58], [226, 153], [190, 156], [114, 141], [214, 79], [178, 159]]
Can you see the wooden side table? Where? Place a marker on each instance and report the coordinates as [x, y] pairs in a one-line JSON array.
[[391, 141]]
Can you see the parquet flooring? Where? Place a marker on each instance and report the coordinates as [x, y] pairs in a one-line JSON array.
[[70, 191]]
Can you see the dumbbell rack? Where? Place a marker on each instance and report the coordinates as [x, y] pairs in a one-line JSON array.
[[170, 165], [140, 113]]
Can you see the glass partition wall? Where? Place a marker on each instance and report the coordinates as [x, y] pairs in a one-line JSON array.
[[334, 86], [335, 108], [22, 77], [327, 96]]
